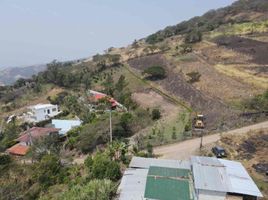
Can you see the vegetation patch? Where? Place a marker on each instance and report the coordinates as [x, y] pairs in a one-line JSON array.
[[155, 73], [194, 77], [232, 71]]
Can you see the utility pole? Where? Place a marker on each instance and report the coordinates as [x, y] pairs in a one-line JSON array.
[[111, 131], [30, 135]]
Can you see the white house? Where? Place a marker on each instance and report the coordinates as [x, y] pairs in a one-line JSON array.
[[41, 112], [65, 125]]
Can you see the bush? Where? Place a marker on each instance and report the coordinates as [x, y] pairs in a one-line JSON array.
[[193, 37], [150, 150], [156, 114], [5, 159], [155, 72], [186, 48], [188, 126], [48, 171], [195, 77], [103, 168], [258, 103], [113, 171], [93, 190]]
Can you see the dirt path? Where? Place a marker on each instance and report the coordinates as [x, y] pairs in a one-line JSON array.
[[185, 149]]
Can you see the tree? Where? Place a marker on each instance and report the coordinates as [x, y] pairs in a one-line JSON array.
[[109, 85], [155, 72], [9, 134], [174, 136], [37, 88], [150, 150], [103, 167], [195, 77], [156, 114], [113, 171], [193, 37], [121, 83], [48, 171], [5, 159]]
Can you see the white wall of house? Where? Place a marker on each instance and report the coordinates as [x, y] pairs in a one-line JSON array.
[[43, 112]]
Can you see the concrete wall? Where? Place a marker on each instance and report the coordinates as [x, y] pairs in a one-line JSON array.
[[41, 114]]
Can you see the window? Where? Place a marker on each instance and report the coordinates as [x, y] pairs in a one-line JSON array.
[[54, 109]]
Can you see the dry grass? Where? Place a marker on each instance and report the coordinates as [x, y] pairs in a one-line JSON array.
[[244, 76]]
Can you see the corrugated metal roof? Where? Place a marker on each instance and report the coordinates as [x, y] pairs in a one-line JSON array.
[[65, 125], [223, 176], [133, 183], [209, 174], [169, 184], [145, 163], [239, 179]]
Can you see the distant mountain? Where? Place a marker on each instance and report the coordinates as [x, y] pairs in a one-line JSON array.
[[9, 75]]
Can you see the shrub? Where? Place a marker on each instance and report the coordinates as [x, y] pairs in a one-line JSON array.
[[186, 48], [174, 135], [48, 171], [113, 171], [188, 126], [150, 150], [103, 168], [5, 159], [93, 190], [193, 37], [259, 102], [195, 77], [156, 114], [155, 72]]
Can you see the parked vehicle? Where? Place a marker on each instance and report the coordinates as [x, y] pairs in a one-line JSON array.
[[219, 152]]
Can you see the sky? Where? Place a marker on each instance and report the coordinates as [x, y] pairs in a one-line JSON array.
[[38, 31]]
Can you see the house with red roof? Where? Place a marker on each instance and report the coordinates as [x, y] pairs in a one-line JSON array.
[[26, 139], [98, 96]]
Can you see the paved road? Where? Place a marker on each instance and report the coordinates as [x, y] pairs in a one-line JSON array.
[[183, 150]]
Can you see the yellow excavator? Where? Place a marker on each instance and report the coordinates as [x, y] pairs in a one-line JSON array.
[[199, 122]]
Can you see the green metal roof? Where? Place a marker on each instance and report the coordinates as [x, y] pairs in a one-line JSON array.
[[169, 184]]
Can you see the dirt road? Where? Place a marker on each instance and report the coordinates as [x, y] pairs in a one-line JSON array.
[[185, 149]]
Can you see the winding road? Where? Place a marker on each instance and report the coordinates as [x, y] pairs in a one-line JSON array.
[[183, 150]]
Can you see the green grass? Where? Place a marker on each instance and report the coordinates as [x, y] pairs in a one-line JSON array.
[[161, 132], [240, 29]]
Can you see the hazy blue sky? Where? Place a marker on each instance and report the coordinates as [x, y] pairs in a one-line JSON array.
[[38, 31]]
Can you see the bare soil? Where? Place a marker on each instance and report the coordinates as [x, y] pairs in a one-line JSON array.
[[151, 99]]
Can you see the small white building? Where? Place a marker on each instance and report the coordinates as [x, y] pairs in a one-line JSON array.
[[65, 125], [41, 112]]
